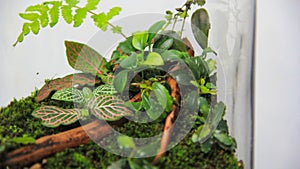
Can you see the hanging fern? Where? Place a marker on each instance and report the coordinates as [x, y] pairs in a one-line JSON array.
[[48, 14]]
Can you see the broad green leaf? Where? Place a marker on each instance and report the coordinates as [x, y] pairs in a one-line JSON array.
[[65, 82], [171, 55], [84, 58], [126, 142], [29, 16], [164, 43], [108, 107], [66, 12], [206, 146], [104, 89], [52, 116], [224, 138], [72, 3], [126, 46], [214, 117], [101, 21], [69, 94], [130, 62], [92, 4], [113, 12], [120, 81], [204, 106], [155, 28], [54, 12], [139, 40], [23, 140], [163, 96], [80, 15], [35, 27], [154, 59], [200, 27], [198, 66]]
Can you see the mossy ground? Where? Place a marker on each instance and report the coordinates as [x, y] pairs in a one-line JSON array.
[[16, 121]]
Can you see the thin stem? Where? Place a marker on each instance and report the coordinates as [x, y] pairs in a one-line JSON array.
[[183, 23], [110, 24]]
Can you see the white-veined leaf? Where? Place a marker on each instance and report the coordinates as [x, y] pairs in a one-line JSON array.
[[104, 89], [53, 116], [69, 94], [108, 107]]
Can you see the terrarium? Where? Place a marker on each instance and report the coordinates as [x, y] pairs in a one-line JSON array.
[[151, 90]]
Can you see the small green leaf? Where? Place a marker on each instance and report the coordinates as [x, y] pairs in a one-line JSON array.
[[29, 16], [206, 146], [101, 21], [92, 4], [54, 12], [154, 59], [23, 140], [108, 107], [35, 27], [120, 81], [200, 2], [126, 46], [52, 116], [163, 96], [26, 28], [117, 29], [69, 94], [155, 28], [80, 15], [211, 63], [104, 89], [126, 142], [224, 138], [130, 62], [164, 43], [66, 12], [139, 40], [113, 12], [72, 3], [201, 26], [204, 107]]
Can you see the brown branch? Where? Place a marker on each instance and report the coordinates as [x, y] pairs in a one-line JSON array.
[[51, 144], [169, 121]]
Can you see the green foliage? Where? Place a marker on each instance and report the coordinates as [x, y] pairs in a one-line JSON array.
[[48, 13], [120, 81], [69, 94], [132, 164], [139, 40], [23, 140], [201, 26], [153, 30], [125, 142], [154, 59]]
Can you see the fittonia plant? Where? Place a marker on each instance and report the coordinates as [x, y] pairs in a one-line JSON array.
[[141, 57]]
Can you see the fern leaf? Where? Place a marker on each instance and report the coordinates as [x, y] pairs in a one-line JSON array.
[[29, 16], [35, 27], [80, 15], [72, 3], [26, 29], [113, 12], [91, 4], [69, 94], [101, 21], [52, 116], [66, 12], [104, 89], [108, 107], [54, 12]]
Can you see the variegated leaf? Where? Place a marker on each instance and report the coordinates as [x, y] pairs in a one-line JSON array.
[[104, 89], [65, 82], [108, 107], [69, 94], [87, 94], [53, 116]]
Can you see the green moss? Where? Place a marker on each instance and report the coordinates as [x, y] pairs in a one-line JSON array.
[[16, 120]]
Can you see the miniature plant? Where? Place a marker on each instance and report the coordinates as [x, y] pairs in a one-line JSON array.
[[151, 64]]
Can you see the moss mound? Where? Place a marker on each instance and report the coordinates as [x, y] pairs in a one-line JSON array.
[[16, 121]]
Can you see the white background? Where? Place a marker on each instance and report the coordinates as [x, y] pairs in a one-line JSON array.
[[277, 125]]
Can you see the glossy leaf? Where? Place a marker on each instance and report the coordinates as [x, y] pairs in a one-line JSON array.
[[120, 81], [155, 28], [139, 40], [126, 46], [224, 138], [69, 94], [84, 58], [130, 62], [198, 66], [65, 82], [163, 43], [104, 89], [52, 116], [108, 107], [154, 59], [163, 96], [200, 27]]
